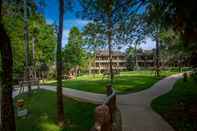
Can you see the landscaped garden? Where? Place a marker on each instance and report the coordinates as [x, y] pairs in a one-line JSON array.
[[125, 82], [42, 114], [178, 106], [63, 47]]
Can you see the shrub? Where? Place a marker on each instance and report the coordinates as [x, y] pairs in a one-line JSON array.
[[185, 77]]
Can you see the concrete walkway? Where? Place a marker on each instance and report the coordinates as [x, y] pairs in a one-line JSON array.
[[137, 114], [79, 95]]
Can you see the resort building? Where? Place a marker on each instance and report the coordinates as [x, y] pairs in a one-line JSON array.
[[101, 63], [143, 59]]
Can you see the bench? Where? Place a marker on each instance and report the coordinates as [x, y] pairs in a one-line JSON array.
[[24, 83]]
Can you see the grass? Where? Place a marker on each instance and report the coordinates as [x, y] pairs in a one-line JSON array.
[[179, 106], [42, 108], [126, 82]]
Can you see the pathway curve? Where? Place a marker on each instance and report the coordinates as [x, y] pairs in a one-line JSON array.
[[79, 95], [137, 114]]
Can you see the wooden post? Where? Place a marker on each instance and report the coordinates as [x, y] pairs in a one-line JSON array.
[[109, 90], [104, 112], [102, 118]]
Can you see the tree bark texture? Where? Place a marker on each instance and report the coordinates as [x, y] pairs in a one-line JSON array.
[[7, 109], [109, 33], [60, 106], [26, 45], [157, 73]]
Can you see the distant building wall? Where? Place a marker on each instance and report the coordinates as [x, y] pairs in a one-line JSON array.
[[101, 63], [144, 59]]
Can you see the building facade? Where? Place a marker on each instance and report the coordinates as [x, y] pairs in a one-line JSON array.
[[145, 59], [142, 59], [101, 63]]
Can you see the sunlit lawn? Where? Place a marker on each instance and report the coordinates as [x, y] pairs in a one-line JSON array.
[[126, 82], [42, 108]]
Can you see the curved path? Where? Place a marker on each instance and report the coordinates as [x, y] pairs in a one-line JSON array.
[[135, 108], [137, 114]]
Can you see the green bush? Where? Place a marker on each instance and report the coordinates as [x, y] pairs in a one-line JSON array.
[[185, 77], [51, 73], [194, 75]]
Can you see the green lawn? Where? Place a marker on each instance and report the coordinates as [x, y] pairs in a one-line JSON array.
[[42, 107], [179, 106], [126, 82]]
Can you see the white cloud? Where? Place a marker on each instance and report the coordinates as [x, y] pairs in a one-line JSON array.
[[65, 37], [68, 24], [148, 45], [77, 21], [49, 21]]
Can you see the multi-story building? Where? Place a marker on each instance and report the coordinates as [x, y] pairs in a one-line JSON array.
[[143, 59], [101, 63]]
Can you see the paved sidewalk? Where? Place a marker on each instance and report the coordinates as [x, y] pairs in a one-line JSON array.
[[75, 94], [79, 95], [137, 114]]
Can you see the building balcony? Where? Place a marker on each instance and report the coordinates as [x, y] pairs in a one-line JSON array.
[[107, 61], [106, 68], [145, 61]]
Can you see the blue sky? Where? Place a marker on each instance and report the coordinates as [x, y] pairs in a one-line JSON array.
[[70, 20]]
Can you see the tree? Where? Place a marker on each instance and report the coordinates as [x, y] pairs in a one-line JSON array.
[[154, 28], [26, 44], [7, 109], [130, 57], [43, 38], [109, 13], [94, 39], [178, 16], [93, 36], [132, 33], [74, 53], [40, 33], [173, 50], [60, 105]]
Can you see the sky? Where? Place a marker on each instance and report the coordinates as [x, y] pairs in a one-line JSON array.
[[70, 19]]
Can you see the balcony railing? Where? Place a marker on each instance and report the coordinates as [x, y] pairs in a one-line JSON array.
[[107, 61], [105, 68]]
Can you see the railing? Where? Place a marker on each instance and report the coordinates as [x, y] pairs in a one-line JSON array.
[[102, 67], [104, 112], [106, 61]]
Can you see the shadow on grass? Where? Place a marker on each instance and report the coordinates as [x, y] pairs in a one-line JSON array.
[[179, 106], [42, 117]]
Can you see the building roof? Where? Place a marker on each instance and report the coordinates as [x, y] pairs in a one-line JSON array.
[[145, 52], [106, 53]]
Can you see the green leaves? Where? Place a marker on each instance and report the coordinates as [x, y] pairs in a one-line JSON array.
[[93, 35], [74, 54], [44, 36]]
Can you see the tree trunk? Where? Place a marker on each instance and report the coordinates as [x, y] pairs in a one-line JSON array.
[[7, 109], [26, 44], [157, 73], [193, 59], [33, 51], [136, 59], [109, 29], [60, 106]]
